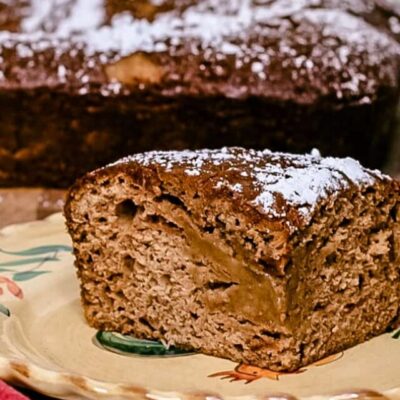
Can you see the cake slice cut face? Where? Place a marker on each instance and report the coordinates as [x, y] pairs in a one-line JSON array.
[[272, 259]]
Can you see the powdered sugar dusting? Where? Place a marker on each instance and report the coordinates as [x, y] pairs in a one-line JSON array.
[[301, 181], [85, 16], [254, 32], [39, 12], [213, 23], [72, 17], [194, 160]]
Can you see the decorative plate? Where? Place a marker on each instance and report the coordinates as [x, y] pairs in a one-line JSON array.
[[46, 345]]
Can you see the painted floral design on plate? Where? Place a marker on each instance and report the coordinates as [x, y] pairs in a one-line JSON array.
[[129, 345], [29, 264]]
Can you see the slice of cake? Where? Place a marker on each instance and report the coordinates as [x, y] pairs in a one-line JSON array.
[[272, 259]]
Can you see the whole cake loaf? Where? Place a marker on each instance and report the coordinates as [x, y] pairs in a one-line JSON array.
[[84, 82], [272, 259]]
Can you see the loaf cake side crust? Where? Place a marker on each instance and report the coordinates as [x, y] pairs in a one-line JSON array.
[[77, 93], [287, 51], [272, 259]]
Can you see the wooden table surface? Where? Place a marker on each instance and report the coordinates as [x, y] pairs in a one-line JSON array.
[[22, 205]]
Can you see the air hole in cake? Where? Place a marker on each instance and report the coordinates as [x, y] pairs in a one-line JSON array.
[[331, 259], [215, 285], [350, 307], [126, 210], [154, 219], [239, 347], [377, 228], [129, 262], [115, 277], [370, 273], [380, 204], [267, 238], [369, 190], [209, 229], [268, 267], [360, 281], [315, 343], [249, 243], [146, 323], [274, 335], [171, 199], [345, 222], [158, 219], [102, 220], [194, 315], [302, 347], [393, 213], [319, 307]]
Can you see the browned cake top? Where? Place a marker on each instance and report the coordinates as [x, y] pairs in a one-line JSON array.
[[279, 185], [284, 49]]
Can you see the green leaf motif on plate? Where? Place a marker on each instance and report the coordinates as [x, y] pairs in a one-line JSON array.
[[396, 335], [27, 275], [130, 345], [27, 261], [4, 310], [36, 251], [33, 259]]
